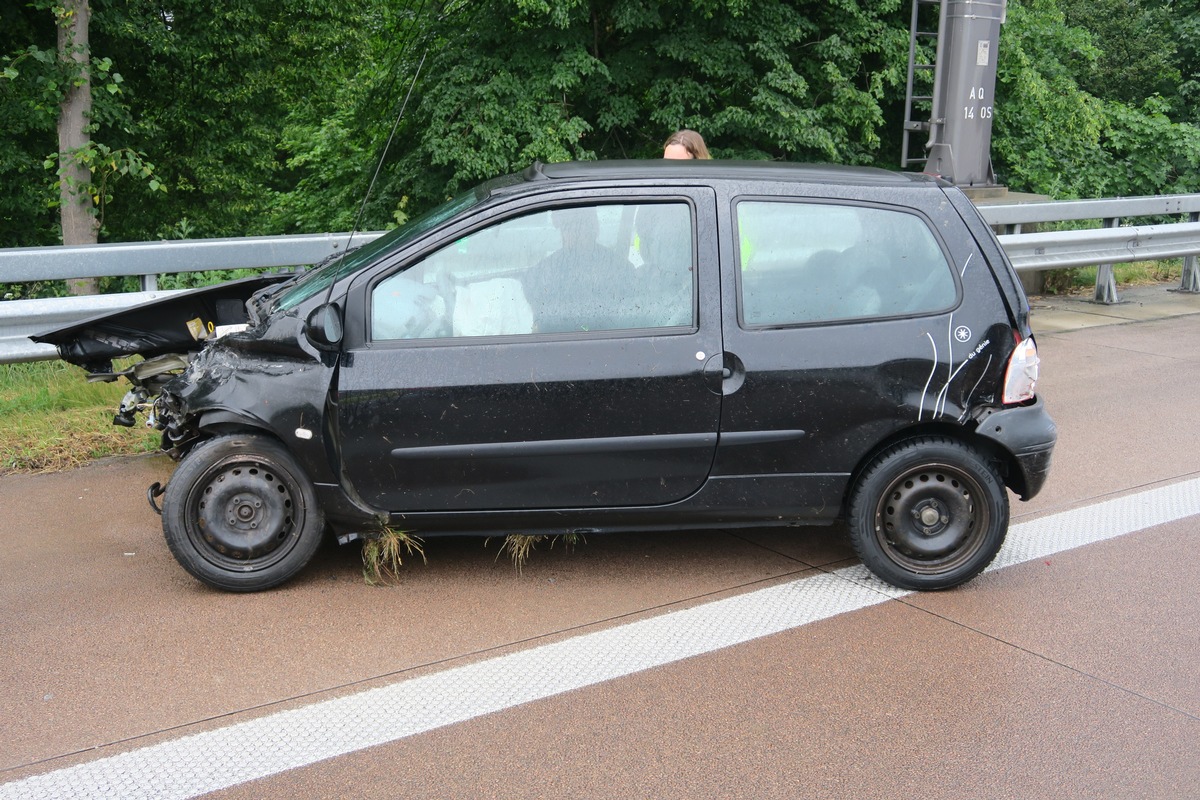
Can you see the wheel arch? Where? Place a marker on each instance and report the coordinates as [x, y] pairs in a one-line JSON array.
[[187, 433], [221, 422], [344, 510], [1006, 463]]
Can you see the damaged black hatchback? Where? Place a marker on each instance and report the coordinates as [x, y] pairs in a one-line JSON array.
[[595, 347]]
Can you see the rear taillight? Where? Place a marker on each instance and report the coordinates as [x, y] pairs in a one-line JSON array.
[[1020, 379]]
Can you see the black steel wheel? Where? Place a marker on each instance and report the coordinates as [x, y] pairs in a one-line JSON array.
[[240, 515], [928, 513]]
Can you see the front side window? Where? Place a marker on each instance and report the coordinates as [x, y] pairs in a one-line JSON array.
[[577, 269], [811, 262]]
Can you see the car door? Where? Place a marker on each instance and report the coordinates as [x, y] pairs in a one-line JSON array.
[[836, 319], [547, 354]]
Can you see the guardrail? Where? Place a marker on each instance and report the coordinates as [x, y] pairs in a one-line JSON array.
[[1028, 252], [1061, 249], [20, 318]]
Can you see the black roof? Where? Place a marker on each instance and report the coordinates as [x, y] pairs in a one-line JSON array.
[[665, 169]]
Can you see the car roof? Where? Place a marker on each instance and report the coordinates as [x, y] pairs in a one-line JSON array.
[[676, 169]]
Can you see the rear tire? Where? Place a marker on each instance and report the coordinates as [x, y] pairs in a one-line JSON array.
[[240, 515], [928, 513]]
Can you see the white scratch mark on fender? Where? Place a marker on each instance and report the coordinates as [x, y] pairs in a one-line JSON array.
[[932, 369], [970, 394]]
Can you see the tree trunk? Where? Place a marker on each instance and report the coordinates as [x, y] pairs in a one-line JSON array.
[[76, 209]]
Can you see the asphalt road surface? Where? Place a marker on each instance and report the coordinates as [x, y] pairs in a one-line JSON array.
[[720, 664]]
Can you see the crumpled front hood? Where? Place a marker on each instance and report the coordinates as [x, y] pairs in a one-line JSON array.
[[181, 323]]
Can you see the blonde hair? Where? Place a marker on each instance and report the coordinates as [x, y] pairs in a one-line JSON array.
[[690, 141]]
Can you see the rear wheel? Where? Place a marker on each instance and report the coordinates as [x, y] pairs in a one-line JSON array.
[[240, 515], [928, 513]]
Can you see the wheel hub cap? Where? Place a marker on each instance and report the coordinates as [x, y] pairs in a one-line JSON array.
[[245, 513], [931, 516], [927, 514]]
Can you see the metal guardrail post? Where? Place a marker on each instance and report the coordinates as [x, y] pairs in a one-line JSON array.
[[1190, 281], [1106, 281]]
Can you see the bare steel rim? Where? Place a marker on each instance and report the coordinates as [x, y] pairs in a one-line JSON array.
[[932, 519], [243, 515]]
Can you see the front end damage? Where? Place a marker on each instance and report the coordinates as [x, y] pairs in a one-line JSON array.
[[217, 364], [147, 379], [268, 381], [168, 334]]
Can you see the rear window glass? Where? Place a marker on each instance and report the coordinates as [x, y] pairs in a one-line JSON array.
[[812, 262]]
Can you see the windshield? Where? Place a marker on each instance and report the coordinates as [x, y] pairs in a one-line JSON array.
[[321, 278]]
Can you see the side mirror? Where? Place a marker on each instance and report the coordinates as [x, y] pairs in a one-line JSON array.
[[324, 326]]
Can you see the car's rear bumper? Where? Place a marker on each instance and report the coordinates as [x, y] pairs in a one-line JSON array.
[[1028, 434]]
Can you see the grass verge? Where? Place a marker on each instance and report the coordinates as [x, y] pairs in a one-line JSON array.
[[1139, 273], [54, 419]]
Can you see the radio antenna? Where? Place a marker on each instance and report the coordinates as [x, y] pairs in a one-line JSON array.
[[383, 156], [378, 168]]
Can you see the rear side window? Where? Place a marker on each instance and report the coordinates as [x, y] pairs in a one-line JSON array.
[[812, 262]]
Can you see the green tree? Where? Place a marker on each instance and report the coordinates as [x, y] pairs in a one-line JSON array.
[[1052, 136], [266, 116], [47, 80], [331, 141], [214, 84], [28, 114], [1136, 53], [1184, 16], [506, 82]]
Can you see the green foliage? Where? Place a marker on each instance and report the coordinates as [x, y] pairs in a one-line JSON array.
[[1184, 21], [1051, 136], [1136, 51], [32, 291], [33, 83], [28, 114], [1044, 123], [269, 116], [510, 81], [106, 166], [1150, 154], [193, 280]]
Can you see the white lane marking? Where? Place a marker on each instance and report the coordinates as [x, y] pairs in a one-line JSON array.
[[217, 759]]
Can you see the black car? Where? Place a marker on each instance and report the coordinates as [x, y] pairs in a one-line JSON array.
[[618, 346]]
